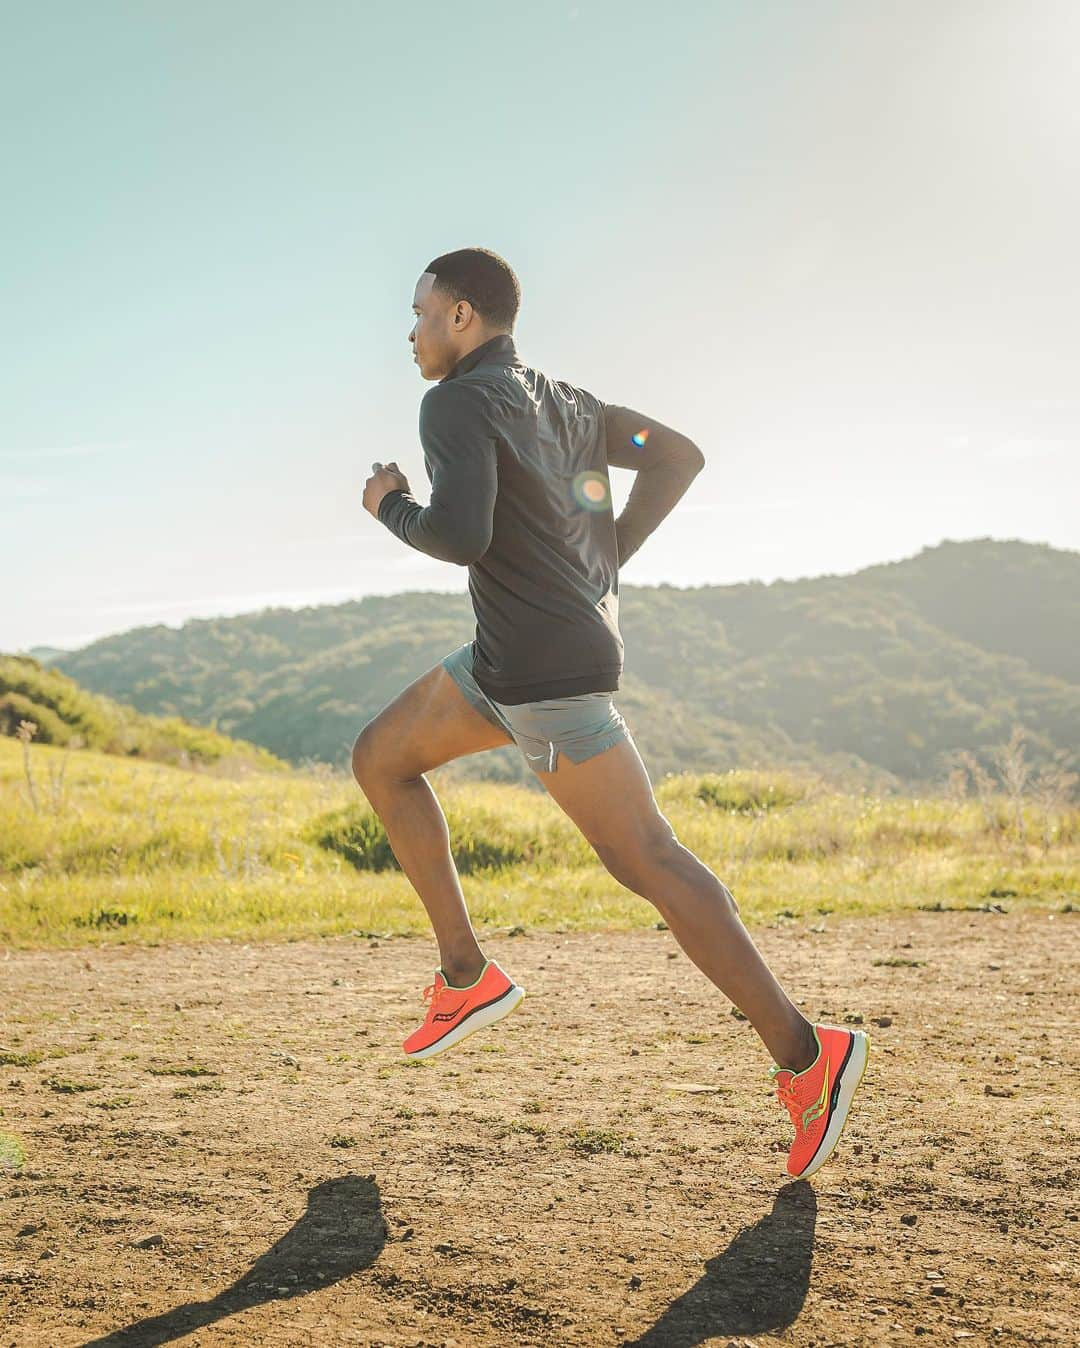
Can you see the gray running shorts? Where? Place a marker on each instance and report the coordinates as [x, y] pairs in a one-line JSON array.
[[581, 726]]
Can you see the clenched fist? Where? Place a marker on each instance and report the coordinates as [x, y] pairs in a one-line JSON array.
[[384, 478]]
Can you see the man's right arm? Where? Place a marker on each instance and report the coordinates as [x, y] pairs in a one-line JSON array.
[[462, 464], [665, 461]]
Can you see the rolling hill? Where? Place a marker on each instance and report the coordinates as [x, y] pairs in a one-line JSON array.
[[64, 714], [877, 676]]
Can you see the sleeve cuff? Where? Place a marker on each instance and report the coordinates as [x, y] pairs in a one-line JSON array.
[[390, 495]]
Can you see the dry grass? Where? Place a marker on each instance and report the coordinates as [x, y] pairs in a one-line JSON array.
[[115, 850]]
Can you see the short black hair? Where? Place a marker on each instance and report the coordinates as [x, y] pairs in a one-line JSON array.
[[483, 278]]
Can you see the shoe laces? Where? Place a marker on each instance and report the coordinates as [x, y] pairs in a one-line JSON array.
[[432, 993], [787, 1098]]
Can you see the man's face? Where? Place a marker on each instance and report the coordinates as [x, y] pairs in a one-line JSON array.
[[432, 337]]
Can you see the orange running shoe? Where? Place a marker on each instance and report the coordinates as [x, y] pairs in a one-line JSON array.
[[819, 1098], [454, 1013]]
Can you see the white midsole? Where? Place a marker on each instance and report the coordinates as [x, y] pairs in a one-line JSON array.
[[488, 1016], [852, 1075]]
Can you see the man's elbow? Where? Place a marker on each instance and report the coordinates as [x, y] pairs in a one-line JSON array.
[[695, 457], [469, 550]]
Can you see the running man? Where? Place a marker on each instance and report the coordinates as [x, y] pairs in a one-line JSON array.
[[518, 466]]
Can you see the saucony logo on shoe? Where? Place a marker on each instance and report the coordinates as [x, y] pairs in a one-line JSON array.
[[816, 1110], [449, 1015]]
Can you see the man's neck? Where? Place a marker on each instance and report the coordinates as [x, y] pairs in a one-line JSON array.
[[501, 343]]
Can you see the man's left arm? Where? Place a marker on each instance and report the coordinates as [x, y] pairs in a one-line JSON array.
[[462, 463], [665, 461]]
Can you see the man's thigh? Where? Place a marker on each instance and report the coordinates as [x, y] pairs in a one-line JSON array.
[[610, 798], [430, 722]]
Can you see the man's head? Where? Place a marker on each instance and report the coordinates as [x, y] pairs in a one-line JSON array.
[[462, 300]]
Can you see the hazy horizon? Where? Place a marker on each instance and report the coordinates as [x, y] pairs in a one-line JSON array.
[[296, 603], [835, 246]]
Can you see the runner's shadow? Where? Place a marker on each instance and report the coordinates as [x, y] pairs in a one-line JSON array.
[[757, 1284], [341, 1233]]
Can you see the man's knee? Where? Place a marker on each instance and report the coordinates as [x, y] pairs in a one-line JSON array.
[[365, 754], [379, 756], [636, 858]]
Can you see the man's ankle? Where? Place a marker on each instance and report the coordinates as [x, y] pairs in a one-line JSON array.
[[805, 1055], [810, 1051], [463, 974]]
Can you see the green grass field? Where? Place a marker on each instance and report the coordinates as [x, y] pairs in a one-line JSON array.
[[98, 848]]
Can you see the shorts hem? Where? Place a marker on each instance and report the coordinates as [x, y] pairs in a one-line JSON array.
[[608, 742]]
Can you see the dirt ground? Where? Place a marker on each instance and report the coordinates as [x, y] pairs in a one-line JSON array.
[[544, 1182]]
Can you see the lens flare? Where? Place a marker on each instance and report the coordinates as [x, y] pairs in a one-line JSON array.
[[639, 437], [591, 490]]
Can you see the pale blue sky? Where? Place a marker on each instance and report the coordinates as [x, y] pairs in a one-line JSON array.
[[835, 243]]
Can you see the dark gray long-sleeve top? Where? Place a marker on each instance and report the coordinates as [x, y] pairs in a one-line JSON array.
[[520, 495]]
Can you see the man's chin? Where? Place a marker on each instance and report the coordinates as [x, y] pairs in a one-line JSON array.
[[427, 370]]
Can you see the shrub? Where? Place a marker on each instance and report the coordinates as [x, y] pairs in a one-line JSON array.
[[751, 792], [356, 833]]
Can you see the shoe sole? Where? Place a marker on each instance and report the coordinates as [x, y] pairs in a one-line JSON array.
[[478, 1020], [849, 1083]]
